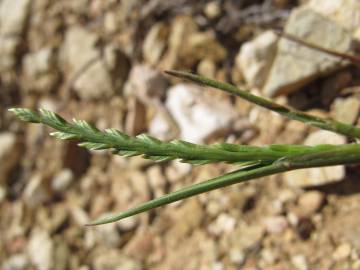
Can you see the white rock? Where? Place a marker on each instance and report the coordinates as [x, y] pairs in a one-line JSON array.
[[296, 65], [108, 235], [13, 14], [256, 57], [198, 117], [78, 50], [62, 180], [217, 266], [299, 261], [212, 9], [146, 83], [318, 176], [16, 262], [237, 256], [224, 223], [40, 249], [162, 125], [344, 12], [95, 82], [275, 224], [38, 62]]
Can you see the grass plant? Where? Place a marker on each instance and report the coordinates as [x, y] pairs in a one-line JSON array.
[[253, 161]]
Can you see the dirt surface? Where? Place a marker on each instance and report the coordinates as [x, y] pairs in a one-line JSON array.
[[102, 61]]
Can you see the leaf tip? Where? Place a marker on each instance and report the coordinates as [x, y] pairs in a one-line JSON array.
[[26, 115]]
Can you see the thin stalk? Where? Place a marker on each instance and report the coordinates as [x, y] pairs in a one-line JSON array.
[[328, 124]]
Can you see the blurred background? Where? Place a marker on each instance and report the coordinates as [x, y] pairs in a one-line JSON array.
[[103, 62]]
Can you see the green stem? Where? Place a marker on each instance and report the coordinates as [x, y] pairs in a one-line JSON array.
[[328, 124], [347, 154]]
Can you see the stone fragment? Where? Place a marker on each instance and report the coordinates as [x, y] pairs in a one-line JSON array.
[[62, 255], [224, 223], [157, 180], [146, 83], [16, 262], [206, 68], [40, 71], [9, 154], [78, 48], [35, 192], [256, 57], [247, 237], [346, 13], [62, 180], [40, 249], [342, 252], [187, 45], [94, 82], [13, 15], [212, 9], [186, 218], [177, 171], [198, 116], [275, 224], [141, 244], [155, 43], [112, 259], [318, 176], [296, 65], [162, 126], [108, 234], [237, 256], [82, 61], [310, 202], [300, 262], [346, 109]]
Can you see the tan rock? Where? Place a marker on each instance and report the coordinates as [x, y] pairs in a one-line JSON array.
[[256, 57], [344, 12], [296, 65], [146, 83], [310, 202], [187, 45], [346, 109], [155, 43]]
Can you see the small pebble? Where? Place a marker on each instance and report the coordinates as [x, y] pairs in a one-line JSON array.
[[299, 261], [275, 224], [310, 202], [342, 252]]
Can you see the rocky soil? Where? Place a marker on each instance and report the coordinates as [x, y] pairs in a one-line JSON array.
[[102, 61]]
